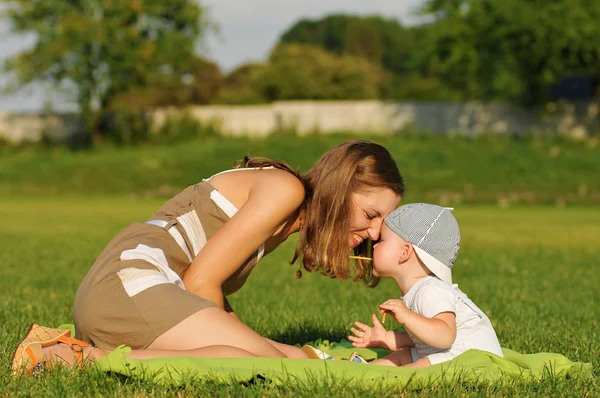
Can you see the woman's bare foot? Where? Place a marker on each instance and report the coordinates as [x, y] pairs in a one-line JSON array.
[[65, 355]]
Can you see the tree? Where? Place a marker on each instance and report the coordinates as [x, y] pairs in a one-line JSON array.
[[514, 50], [200, 87], [380, 40], [302, 72], [239, 88], [398, 50], [105, 48]]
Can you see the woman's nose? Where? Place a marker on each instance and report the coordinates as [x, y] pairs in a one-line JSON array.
[[374, 230]]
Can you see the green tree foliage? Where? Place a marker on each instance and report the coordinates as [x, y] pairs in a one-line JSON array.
[[514, 50], [380, 40], [107, 48], [200, 87], [302, 72], [239, 88], [398, 50]]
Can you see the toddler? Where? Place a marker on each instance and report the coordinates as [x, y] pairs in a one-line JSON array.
[[418, 246]]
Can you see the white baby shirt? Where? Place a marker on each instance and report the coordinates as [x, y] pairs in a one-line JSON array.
[[431, 296]]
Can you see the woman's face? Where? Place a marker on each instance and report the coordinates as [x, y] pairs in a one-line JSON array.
[[369, 208]]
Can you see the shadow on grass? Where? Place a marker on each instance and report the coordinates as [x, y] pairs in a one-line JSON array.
[[300, 335]]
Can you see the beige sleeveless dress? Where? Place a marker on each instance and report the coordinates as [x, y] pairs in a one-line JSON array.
[[134, 291]]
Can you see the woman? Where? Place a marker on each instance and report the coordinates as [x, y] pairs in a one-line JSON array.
[[161, 286]]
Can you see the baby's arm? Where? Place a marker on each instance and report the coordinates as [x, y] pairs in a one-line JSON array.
[[439, 331], [378, 337], [399, 340]]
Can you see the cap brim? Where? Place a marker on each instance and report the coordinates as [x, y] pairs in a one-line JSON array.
[[438, 268]]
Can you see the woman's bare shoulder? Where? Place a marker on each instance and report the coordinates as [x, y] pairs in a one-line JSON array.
[[280, 182], [238, 186]]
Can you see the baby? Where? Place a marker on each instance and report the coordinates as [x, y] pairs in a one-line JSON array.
[[419, 243]]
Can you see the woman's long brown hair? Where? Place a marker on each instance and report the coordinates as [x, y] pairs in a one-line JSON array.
[[353, 166]]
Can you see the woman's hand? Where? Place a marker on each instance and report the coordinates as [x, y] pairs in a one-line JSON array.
[[397, 308], [367, 336]]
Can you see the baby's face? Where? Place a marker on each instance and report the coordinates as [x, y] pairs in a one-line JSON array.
[[386, 252]]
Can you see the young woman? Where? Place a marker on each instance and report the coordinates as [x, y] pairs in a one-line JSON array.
[[161, 286]]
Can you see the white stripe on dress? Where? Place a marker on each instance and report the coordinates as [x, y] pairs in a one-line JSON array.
[[230, 209], [175, 234], [224, 203], [190, 222], [137, 280], [180, 241]]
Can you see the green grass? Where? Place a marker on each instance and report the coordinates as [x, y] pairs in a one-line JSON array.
[[532, 269], [445, 170]]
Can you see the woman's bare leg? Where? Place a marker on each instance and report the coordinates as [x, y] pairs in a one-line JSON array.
[[226, 337], [213, 351], [289, 350], [62, 354], [214, 327]]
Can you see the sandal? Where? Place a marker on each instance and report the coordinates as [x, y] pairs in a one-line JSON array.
[[315, 353], [28, 357]]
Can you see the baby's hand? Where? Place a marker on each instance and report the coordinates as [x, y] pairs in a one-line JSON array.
[[367, 336], [397, 308]]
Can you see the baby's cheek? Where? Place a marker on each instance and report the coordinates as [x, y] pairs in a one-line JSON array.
[[376, 261], [377, 256]]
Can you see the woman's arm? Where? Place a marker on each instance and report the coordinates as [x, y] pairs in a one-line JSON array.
[[273, 198]]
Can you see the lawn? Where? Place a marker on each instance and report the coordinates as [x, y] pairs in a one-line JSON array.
[[448, 170], [532, 269], [528, 210]]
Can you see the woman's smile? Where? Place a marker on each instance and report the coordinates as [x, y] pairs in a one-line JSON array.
[[356, 240]]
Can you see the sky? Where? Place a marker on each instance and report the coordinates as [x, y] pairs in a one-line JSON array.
[[248, 29]]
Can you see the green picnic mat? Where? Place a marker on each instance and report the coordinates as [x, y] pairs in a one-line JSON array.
[[472, 366]]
